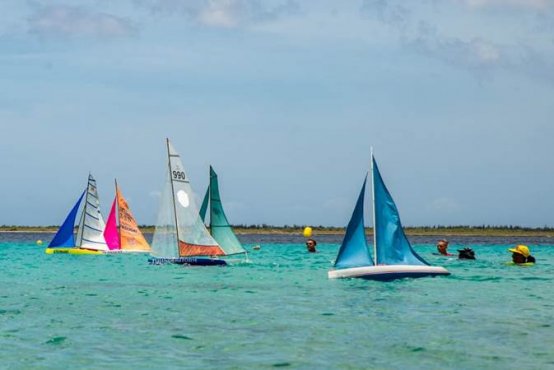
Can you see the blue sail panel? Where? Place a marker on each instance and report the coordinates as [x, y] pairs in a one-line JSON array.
[[353, 251], [392, 245], [64, 237]]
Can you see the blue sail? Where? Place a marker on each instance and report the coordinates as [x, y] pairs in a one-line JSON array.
[[393, 248], [353, 251], [64, 237]]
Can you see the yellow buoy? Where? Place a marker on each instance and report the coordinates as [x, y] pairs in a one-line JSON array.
[[307, 232], [39, 242]]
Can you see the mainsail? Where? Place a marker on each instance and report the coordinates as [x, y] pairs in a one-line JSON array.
[[126, 237], [130, 235], [90, 234], [180, 232], [64, 237], [391, 244], [354, 251], [220, 228]]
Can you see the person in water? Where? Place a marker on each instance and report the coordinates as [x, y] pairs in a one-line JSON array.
[[521, 254], [442, 247], [310, 245], [466, 254]]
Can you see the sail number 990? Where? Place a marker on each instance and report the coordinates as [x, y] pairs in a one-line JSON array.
[[178, 175]]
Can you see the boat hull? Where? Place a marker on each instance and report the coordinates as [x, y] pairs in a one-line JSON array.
[[388, 272], [190, 261], [121, 251], [71, 251]]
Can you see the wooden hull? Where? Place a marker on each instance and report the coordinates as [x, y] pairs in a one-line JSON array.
[[388, 272]]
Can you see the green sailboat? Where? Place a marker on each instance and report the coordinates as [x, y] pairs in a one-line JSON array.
[[219, 226]]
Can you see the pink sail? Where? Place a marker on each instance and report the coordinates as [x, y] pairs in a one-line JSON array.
[[111, 233]]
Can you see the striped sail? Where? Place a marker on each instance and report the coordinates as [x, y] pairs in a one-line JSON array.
[[90, 234], [180, 231]]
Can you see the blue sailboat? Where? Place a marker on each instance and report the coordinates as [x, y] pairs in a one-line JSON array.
[[393, 256]]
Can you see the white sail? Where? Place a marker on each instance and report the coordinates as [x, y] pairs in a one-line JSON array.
[[190, 236], [164, 242], [90, 234]]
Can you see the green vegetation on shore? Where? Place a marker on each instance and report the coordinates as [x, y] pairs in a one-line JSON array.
[[484, 230]]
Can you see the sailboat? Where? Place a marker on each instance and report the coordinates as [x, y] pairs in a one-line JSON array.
[[219, 226], [90, 238], [180, 235], [393, 256], [123, 236]]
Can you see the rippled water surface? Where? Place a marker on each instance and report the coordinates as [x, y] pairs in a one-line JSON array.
[[280, 310]]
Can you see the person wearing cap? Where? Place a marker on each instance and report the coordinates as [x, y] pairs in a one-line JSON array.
[[442, 247], [521, 254], [310, 245]]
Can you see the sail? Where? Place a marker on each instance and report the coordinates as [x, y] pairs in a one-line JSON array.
[[132, 238], [192, 237], [164, 242], [391, 244], [64, 237], [220, 228], [205, 202], [354, 251], [90, 234], [111, 234]]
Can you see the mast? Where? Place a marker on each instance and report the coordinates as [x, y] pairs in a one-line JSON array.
[[373, 207], [210, 198], [172, 193]]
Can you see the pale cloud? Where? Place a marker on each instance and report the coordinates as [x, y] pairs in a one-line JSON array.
[[476, 54], [72, 21], [222, 13], [444, 205], [428, 33], [524, 4]]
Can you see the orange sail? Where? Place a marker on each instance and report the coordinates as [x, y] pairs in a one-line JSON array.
[[129, 233]]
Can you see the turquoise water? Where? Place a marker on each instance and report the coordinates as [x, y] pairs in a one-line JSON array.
[[118, 312]]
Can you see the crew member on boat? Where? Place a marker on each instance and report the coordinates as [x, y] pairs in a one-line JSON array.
[[521, 255]]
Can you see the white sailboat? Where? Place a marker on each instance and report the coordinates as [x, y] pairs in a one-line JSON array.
[[90, 238], [180, 236]]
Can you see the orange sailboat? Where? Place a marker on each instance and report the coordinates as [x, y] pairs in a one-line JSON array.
[[123, 236]]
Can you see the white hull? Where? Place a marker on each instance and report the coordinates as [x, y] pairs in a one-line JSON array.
[[388, 272]]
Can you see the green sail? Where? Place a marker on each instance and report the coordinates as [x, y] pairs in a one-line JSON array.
[[204, 206], [220, 229]]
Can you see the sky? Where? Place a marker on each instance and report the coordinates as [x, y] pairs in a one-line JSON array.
[[284, 98]]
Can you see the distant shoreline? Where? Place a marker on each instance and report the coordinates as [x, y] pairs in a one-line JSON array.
[[412, 231]]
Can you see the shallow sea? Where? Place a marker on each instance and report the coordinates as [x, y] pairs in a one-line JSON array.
[[280, 310]]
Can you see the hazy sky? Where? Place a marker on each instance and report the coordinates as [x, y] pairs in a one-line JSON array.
[[284, 98]]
